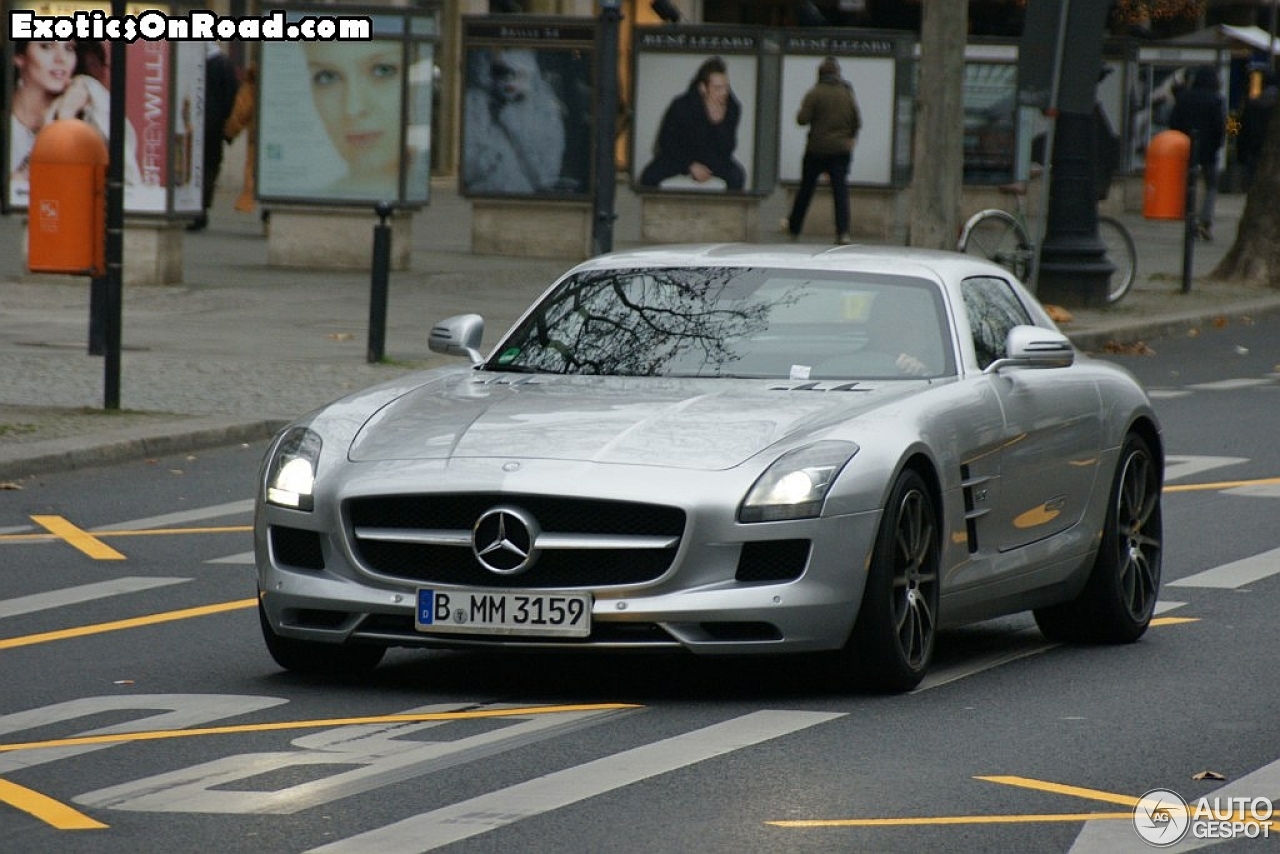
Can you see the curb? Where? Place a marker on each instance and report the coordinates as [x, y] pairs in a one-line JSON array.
[[60, 455], [1094, 340]]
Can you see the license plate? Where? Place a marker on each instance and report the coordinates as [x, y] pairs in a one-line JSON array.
[[495, 612]]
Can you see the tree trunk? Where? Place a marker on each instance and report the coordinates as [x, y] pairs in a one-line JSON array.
[[938, 148], [1254, 258]]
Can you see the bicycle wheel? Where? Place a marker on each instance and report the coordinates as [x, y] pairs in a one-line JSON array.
[[997, 235], [1121, 252]]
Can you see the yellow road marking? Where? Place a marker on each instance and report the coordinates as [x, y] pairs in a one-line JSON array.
[[952, 819], [132, 623], [1029, 818], [45, 808], [323, 723], [1060, 789], [145, 532], [1173, 621], [1223, 484], [77, 537]]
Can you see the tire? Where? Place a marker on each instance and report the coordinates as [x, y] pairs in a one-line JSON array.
[[1120, 596], [998, 236], [892, 642], [311, 658], [1121, 252]]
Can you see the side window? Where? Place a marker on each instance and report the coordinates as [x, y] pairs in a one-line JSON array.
[[993, 309]]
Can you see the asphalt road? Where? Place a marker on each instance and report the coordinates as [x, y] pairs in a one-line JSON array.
[[126, 612]]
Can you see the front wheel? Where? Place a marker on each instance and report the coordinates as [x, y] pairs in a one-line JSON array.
[[1120, 596], [1122, 253], [312, 658], [893, 638], [998, 236]]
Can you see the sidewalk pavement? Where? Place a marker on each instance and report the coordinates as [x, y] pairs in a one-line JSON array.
[[240, 347]]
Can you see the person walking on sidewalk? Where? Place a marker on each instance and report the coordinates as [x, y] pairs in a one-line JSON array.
[[1201, 113], [830, 109]]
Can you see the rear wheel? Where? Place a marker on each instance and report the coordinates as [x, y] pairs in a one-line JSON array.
[[998, 236], [311, 658], [892, 641], [1122, 253], [1118, 600]]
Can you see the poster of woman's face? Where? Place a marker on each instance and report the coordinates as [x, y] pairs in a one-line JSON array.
[[526, 121], [694, 125], [873, 81], [333, 124]]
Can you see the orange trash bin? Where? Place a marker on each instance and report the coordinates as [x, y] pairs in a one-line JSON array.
[[1165, 179], [66, 214]]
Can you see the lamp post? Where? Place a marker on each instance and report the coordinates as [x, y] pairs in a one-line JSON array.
[[606, 122], [1073, 268]]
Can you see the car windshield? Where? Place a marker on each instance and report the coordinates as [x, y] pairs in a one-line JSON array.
[[733, 322]]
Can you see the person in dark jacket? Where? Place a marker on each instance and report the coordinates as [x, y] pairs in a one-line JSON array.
[[831, 112], [699, 132], [1201, 113], [221, 82]]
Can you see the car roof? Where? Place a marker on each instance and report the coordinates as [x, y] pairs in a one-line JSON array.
[[935, 264]]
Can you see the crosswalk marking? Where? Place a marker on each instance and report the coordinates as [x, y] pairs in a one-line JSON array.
[[1178, 466], [430, 830], [82, 593], [1229, 576]]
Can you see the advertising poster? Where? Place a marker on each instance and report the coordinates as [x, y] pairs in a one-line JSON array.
[[527, 125], [869, 65], [187, 161], [146, 114], [695, 120], [331, 121], [49, 80]]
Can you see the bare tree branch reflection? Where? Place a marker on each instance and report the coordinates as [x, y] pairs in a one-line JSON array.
[[677, 322]]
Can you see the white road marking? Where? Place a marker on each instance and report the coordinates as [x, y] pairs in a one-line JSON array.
[[242, 558], [430, 830], [1177, 467], [183, 517], [1230, 385], [82, 593], [1120, 837], [1229, 576]]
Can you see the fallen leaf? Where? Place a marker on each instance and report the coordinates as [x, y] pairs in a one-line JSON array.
[[1137, 348], [1220, 322], [1059, 314], [10, 485], [1193, 333], [1208, 775], [341, 336]]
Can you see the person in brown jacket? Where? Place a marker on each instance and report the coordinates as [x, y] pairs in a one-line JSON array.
[[831, 112]]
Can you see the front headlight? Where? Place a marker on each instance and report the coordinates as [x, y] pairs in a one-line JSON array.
[[797, 483], [291, 476]]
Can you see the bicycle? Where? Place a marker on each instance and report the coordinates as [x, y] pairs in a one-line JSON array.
[[1001, 236]]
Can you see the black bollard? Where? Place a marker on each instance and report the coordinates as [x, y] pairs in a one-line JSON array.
[[381, 269], [1189, 218]]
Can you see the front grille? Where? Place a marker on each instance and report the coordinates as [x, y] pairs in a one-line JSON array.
[[456, 564], [772, 560]]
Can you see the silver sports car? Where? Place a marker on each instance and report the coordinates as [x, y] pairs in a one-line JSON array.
[[723, 449]]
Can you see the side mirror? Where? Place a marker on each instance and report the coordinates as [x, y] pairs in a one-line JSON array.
[[459, 335], [1035, 347]]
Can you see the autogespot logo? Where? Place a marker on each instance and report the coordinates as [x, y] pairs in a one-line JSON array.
[[1161, 817]]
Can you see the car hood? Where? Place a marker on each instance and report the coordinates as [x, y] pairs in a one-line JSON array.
[[693, 424]]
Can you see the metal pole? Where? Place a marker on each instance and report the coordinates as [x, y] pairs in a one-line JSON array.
[[381, 269], [1189, 215], [114, 289], [606, 122]]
